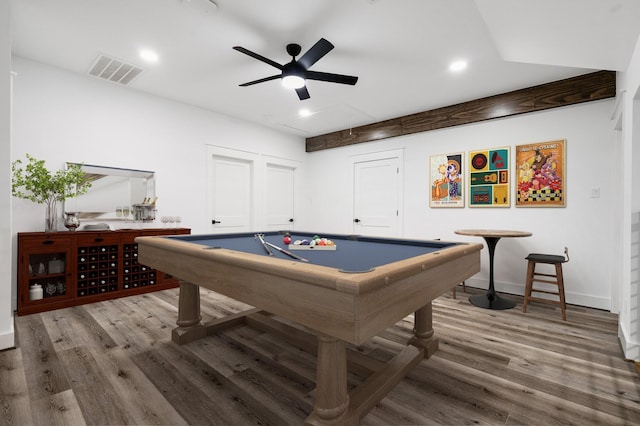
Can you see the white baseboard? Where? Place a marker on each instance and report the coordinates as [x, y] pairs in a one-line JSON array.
[[518, 289], [7, 340], [631, 350]]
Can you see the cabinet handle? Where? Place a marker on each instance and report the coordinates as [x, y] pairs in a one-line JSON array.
[[47, 242], [98, 240]]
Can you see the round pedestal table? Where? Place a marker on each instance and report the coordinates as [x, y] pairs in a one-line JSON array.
[[491, 300]]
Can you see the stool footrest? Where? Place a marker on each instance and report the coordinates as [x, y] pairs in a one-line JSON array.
[[544, 281], [535, 290]]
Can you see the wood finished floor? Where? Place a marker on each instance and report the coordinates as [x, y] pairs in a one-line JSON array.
[[112, 363]]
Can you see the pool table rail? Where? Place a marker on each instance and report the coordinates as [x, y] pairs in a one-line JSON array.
[[350, 306]]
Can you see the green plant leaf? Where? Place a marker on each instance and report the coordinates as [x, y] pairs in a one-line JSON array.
[[36, 183]]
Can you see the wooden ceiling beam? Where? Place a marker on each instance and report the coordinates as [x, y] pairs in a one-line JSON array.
[[575, 90]]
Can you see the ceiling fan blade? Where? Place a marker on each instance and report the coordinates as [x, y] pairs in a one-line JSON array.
[[262, 80], [331, 78], [321, 48], [303, 93], [258, 57]]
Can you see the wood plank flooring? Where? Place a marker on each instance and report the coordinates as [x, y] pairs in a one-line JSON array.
[[113, 363]]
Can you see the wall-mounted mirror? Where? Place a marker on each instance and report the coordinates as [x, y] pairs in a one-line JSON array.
[[111, 188]]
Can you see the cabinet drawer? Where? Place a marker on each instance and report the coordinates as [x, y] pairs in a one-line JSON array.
[[98, 238], [46, 244]]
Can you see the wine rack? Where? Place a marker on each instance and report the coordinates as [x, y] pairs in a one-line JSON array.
[[98, 265], [134, 274], [62, 269]]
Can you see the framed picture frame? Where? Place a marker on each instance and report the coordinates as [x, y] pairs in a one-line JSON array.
[[541, 171], [446, 180], [489, 178]]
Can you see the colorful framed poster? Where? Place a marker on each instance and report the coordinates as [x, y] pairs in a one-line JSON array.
[[541, 174], [446, 180], [489, 178]]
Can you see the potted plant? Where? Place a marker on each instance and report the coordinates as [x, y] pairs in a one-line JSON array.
[[35, 183]]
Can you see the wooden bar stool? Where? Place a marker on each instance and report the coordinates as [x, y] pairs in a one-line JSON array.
[[532, 276]]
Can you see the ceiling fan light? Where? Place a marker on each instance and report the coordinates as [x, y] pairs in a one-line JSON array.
[[293, 82]]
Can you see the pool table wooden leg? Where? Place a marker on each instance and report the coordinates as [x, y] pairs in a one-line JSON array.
[[334, 405], [332, 399], [189, 326], [423, 331]]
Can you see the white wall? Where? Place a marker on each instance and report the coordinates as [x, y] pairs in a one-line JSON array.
[[6, 317], [61, 116], [583, 225]]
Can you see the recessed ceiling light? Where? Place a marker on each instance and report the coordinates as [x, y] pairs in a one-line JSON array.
[[458, 66], [149, 55]]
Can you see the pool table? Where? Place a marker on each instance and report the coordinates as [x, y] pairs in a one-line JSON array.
[[342, 296]]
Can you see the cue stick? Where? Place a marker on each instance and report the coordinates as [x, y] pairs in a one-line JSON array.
[[288, 253], [264, 244]]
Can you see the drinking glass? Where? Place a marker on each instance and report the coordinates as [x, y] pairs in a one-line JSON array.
[[125, 212], [50, 289], [119, 212]]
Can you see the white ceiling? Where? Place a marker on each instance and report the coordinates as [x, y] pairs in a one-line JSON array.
[[400, 49]]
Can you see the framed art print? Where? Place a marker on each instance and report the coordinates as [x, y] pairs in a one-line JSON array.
[[541, 174], [489, 178], [446, 179]]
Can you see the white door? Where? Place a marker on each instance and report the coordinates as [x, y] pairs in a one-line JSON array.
[[377, 197], [230, 191], [279, 197]]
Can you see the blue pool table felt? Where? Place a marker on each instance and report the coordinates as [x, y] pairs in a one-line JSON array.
[[352, 254]]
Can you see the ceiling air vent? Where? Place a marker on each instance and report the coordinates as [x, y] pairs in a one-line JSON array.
[[114, 70]]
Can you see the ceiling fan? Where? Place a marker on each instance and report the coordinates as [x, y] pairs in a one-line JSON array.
[[295, 73]]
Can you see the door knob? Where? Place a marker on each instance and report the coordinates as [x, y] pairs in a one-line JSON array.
[[291, 220], [356, 220]]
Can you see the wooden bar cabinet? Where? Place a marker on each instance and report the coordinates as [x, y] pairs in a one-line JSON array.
[[61, 269]]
